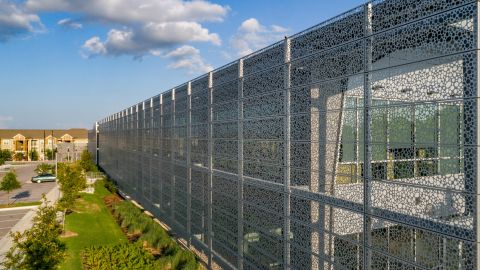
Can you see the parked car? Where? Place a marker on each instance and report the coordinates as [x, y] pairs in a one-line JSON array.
[[47, 177]]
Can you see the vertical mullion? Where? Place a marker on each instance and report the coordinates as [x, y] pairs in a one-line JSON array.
[[173, 141], [189, 163], [476, 140], [286, 214], [160, 155], [367, 170], [240, 165], [210, 165]]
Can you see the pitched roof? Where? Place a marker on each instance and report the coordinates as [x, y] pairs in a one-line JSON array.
[[76, 133]]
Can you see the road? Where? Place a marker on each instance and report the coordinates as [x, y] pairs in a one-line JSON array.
[[29, 191]]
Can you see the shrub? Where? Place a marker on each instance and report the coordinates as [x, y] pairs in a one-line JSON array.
[[19, 156], [6, 155], [109, 185], [44, 168], [172, 256], [122, 256], [33, 155]]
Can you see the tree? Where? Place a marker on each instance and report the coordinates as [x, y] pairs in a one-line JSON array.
[[40, 246], [86, 162], [9, 183], [50, 154], [33, 155], [44, 168], [19, 156], [71, 181], [6, 155]]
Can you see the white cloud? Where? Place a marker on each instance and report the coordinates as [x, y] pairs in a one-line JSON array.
[[252, 36], [94, 46], [15, 20], [149, 38], [188, 57], [136, 11], [69, 23], [141, 26]]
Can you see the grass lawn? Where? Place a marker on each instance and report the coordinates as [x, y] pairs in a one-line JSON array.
[[19, 204], [93, 224]]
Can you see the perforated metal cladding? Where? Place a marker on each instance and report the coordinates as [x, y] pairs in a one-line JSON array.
[[351, 145]]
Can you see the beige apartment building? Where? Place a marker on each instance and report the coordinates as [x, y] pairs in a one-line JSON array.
[[68, 143]]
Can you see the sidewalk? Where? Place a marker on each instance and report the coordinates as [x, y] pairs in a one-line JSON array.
[[26, 222]]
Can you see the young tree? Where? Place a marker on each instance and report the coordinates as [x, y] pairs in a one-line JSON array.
[[9, 183], [86, 162], [44, 168], [50, 154], [33, 155], [40, 246], [6, 155], [71, 181]]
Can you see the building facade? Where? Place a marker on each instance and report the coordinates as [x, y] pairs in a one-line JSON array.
[[350, 145], [68, 144]]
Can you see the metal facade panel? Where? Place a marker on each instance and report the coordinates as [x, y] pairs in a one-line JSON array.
[[350, 145]]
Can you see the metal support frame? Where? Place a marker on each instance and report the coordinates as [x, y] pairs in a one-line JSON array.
[[240, 165], [173, 141], [210, 168], [189, 163], [367, 160], [286, 214], [125, 131], [476, 220]]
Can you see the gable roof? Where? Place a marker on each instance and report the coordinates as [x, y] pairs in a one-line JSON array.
[[76, 133]]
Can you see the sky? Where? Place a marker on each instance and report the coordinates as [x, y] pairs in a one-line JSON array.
[[69, 63]]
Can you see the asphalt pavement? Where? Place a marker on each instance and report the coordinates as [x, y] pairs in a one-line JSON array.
[[9, 218], [29, 191]]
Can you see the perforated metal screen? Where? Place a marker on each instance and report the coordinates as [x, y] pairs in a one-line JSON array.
[[351, 145]]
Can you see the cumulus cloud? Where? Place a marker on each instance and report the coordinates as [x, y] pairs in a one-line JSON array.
[[252, 36], [188, 57], [141, 26], [150, 37], [136, 11], [15, 20], [69, 23]]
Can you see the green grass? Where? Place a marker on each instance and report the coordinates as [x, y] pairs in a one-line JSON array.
[[19, 204], [93, 224]]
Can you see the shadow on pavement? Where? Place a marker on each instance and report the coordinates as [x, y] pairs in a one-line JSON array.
[[23, 194]]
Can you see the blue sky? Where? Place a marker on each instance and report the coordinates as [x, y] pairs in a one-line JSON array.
[[68, 63]]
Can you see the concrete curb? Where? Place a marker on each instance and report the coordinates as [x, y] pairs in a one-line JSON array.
[[18, 208]]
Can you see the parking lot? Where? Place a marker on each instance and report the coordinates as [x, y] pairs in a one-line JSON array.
[[29, 191], [8, 219]]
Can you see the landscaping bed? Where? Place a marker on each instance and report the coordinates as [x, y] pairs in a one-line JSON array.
[[154, 247], [91, 224]]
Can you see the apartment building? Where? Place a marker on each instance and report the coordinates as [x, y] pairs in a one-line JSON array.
[[350, 145], [67, 143]]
